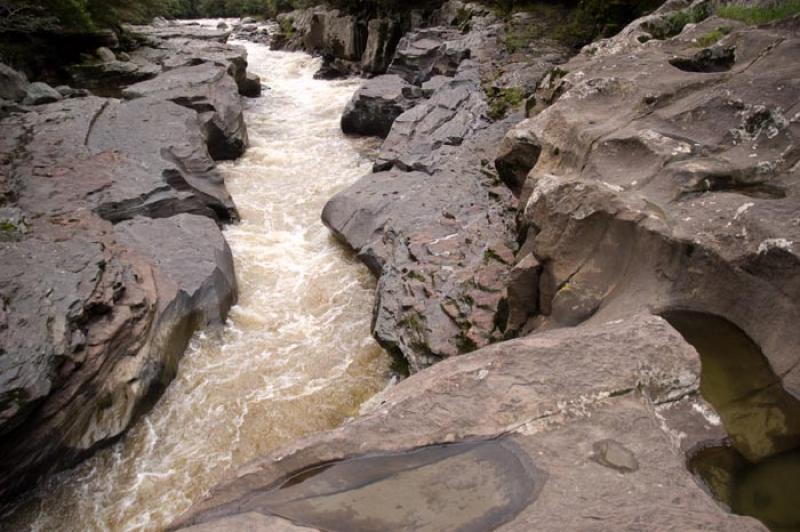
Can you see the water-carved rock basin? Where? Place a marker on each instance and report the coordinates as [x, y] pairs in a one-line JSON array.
[[756, 470], [465, 487]]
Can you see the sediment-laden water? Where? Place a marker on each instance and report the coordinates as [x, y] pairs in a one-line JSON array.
[[296, 355]]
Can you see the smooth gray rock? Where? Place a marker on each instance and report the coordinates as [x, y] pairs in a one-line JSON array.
[[182, 52], [105, 55], [251, 87], [69, 92], [38, 93], [113, 255], [181, 31]]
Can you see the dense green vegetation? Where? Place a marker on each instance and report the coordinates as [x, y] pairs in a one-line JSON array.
[[80, 15], [588, 19], [585, 21]]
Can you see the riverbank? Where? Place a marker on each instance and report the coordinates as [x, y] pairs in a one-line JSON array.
[[110, 229], [295, 356]]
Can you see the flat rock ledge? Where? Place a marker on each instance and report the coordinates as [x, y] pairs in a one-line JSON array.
[[110, 215], [592, 434]]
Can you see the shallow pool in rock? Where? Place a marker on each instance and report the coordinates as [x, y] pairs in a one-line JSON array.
[[465, 487], [756, 471]]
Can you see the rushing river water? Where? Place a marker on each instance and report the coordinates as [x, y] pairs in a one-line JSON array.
[[296, 355]]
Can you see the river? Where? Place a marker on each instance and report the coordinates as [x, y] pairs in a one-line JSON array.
[[296, 355]]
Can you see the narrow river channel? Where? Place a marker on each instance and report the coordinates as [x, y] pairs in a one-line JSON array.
[[296, 355]]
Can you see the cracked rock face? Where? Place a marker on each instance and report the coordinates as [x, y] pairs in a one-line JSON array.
[[377, 104], [186, 51], [112, 257], [433, 221], [209, 90]]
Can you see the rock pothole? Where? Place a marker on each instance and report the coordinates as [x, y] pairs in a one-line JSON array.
[[472, 486], [754, 471], [708, 60]]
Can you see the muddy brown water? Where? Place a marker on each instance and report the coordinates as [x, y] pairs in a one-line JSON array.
[[756, 472], [296, 355]]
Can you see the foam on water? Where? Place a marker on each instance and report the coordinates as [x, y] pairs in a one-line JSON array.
[[296, 355]]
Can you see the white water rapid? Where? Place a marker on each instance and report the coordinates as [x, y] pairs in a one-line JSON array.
[[296, 355]]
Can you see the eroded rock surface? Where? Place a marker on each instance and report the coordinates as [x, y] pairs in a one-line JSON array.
[[434, 222], [651, 186], [113, 257], [557, 398], [653, 176]]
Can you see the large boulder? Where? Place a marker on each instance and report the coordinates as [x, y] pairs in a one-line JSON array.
[[105, 55], [571, 415], [182, 52], [95, 320], [251, 87], [110, 233], [375, 106], [433, 222], [208, 89], [39, 92], [181, 31], [425, 137], [13, 84], [113, 258]]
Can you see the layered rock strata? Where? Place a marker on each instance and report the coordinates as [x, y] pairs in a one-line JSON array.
[[110, 215], [433, 221]]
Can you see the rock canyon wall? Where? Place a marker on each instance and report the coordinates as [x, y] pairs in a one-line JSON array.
[[110, 234]]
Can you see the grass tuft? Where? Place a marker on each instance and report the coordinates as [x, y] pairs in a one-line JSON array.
[[754, 15], [713, 36]]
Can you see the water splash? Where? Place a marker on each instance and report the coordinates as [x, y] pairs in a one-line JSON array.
[[296, 355]]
